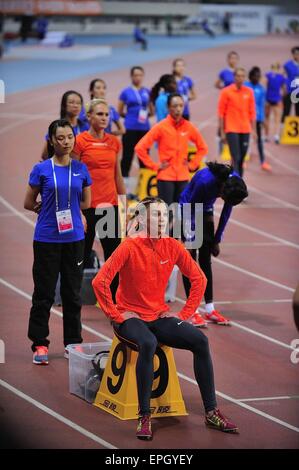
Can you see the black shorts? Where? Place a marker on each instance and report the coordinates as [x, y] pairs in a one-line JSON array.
[[273, 103]]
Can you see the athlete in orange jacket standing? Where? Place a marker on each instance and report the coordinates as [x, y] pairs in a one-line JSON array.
[[144, 262], [236, 111], [172, 135]]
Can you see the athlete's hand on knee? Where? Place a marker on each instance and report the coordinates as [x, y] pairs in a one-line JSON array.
[[169, 315], [128, 315], [215, 249]]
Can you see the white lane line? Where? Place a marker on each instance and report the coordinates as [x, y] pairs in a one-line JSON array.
[[294, 397], [16, 212], [261, 335], [185, 377], [281, 163], [17, 123], [260, 301], [273, 198], [233, 221], [255, 244], [252, 206], [254, 275], [247, 407], [51, 95], [206, 123], [54, 310], [261, 232], [57, 416], [250, 330], [8, 115], [10, 214]]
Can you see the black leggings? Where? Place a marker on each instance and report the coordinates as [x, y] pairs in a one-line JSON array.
[[129, 140], [170, 192], [287, 104], [108, 244], [260, 144], [175, 333], [238, 146], [203, 256]]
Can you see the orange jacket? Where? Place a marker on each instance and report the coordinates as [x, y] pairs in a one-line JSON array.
[[172, 139], [144, 266], [237, 108]]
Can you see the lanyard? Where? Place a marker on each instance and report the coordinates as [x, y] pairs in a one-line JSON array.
[[55, 184], [137, 94]]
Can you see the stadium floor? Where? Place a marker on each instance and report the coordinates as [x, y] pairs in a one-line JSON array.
[[255, 275]]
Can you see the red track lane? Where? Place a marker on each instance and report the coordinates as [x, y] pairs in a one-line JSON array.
[[246, 365]]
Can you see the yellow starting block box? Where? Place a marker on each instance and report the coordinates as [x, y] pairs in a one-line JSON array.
[[147, 180], [147, 184], [226, 156], [290, 133], [118, 390]]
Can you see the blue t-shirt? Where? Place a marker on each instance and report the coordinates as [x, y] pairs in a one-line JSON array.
[[161, 106], [42, 25], [259, 98], [184, 86], [135, 100], [42, 176], [227, 76], [138, 34], [292, 70], [113, 117], [204, 188], [275, 82]]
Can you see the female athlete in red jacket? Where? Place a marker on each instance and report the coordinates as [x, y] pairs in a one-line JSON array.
[[144, 262]]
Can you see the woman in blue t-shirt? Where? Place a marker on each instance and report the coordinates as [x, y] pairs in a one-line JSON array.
[[226, 76], [58, 246], [275, 90], [134, 106], [98, 90], [291, 68], [185, 85], [259, 91], [70, 109], [159, 94]]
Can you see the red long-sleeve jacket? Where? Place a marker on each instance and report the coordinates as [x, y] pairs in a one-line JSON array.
[[144, 266], [173, 139]]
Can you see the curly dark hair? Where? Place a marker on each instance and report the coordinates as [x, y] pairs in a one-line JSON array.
[[234, 190], [220, 170]]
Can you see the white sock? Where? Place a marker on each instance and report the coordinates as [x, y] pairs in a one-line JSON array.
[[210, 307]]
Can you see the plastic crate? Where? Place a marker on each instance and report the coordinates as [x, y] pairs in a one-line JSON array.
[[83, 378]]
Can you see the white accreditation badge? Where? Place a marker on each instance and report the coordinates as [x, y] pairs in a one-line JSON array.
[[64, 217], [142, 116], [64, 221]]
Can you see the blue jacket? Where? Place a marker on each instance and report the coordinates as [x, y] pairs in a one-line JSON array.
[[204, 188]]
